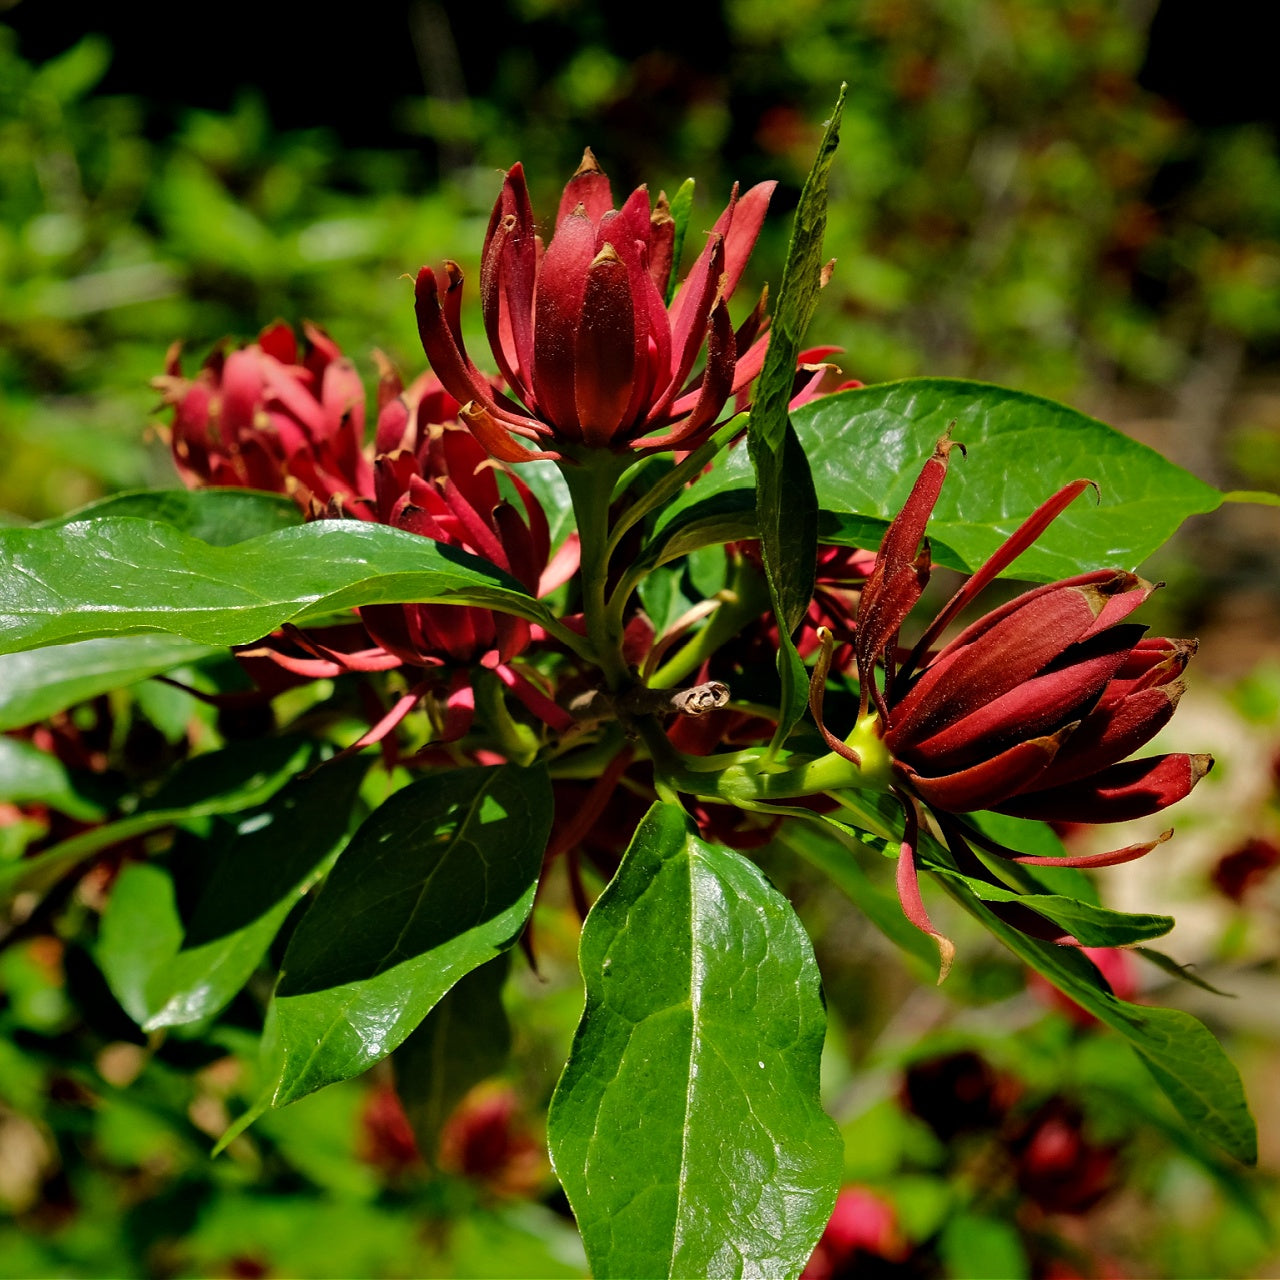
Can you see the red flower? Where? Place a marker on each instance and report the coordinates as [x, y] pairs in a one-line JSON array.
[[260, 418], [1246, 867], [1030, 711], [444, 486], [582, 332], [863, 1230], [958, 1093], [1056, 1165]]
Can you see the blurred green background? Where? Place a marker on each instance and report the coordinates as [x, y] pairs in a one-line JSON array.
[[1075, 197]]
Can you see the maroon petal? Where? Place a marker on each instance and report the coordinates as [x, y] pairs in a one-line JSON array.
[[908, 884], [743, 219], [278, 340], [817, 695], [443, 343], [393, 424], [984, 785], [606, 358], [1018, 647], [1130, 853], [717, 383], [549, 712], [690, 311], [897, 580], [562, 283], [662, 240], [1112, 731], [493, 435], [1116, 794], [1013, 546], [1154, 661], [589, 187], [508, 274], [1036, 706]]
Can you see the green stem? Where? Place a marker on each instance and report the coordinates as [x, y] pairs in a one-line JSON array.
[[752, 782], [746, 598], [675, 480], [590, 476]]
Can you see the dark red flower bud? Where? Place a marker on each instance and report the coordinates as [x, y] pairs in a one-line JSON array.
[[957, 1093], [1246, 867], [386, 1138], [582, 333], [486, 1140], [1057, 1166]]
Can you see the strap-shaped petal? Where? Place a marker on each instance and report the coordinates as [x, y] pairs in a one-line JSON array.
[[1133, 789]]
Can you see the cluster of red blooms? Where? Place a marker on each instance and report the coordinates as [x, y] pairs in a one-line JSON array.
[[1033, 710]]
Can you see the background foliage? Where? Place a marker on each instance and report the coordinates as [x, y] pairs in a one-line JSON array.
[[1041, 195]]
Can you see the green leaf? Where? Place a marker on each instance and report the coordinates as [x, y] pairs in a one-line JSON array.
[[797, 296], [1183, 972], [1091, 926], [1260, 497], [437, 881], [37, 684], [219, 782], [124, 576], [833, 859], [866, 448], [1179, 1051], [686, 1128], [544, 479], [1142, 497], [31, 776], [786, 503], [974, 1246], [265, 860], [465, 1039], [237, 777], [681, 210], [141, 932], [221, 516]]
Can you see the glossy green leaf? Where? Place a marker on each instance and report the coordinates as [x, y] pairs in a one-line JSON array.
[[263, 861], [40, 682], [219, 782], [124, 576], [544, 479], [686, 1128], [31, 776], [236, 777], [465, 1039], [867, 446], [1179, 1051], [220, 516], [1091, 926], [437, 881]]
